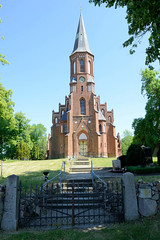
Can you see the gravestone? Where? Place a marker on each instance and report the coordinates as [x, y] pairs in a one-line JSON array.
[[116, 164], [147, 207]]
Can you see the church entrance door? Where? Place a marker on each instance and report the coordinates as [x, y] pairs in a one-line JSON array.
[[83, 148]]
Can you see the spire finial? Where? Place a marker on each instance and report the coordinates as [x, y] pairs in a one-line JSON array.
[[81, 8]]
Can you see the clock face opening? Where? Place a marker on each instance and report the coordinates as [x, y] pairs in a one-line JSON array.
[[81, 79]]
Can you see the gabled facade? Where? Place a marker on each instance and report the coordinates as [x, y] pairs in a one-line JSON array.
[[83, 126]]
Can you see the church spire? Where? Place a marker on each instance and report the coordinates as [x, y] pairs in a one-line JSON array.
[[81, 41]]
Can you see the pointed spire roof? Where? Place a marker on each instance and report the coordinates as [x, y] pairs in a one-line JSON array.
[[81, 41]]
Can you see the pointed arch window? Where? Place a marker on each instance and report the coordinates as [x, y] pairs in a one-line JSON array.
[[100, 128], [109, 119], [89, 67], [82, 105], [81, 65], [81, 88], [74, 67]]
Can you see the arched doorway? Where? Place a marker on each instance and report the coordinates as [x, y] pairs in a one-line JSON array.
[[83, 145]]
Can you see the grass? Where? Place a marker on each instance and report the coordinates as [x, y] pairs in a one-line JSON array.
[[143, 229], [102, 162], [31, 172]]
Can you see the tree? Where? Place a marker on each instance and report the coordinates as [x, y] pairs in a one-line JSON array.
[[7, 121], [126, 141], [22, 151], [39, 138], [23, 129], [147, 130], [139, 131], [142, 16], [2, 57]]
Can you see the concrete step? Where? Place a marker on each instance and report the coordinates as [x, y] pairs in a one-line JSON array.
[[69, 205], [81, 163], [80, 170], [78, 177], [79, 200]]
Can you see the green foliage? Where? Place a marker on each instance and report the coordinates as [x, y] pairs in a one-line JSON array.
[[23, 129], [135, 156], [3, 61], [126, 141], [16, 132], [23, 151], [35, 152], [7, 121], [147, 130], [39, 138], [142, 17], [139, 131], [143, 170]]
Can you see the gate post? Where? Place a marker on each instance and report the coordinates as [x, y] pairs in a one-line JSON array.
[[129, 197], [10, 215]]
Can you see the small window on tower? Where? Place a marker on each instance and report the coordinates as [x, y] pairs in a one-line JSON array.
[[74, 88], [65, 128], [81, 65], [82, 104], [74, 67], [55, 120], [81, 88], [89, 67], [89, 88], [100, 128]]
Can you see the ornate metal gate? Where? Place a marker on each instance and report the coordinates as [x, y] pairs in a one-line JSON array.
[[71, 204]]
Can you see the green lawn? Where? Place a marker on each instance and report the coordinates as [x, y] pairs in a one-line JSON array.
[[102, 162], [143, 229], [31, 172]]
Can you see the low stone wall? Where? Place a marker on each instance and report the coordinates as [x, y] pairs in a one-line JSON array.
[[2, 192], [148, 198]]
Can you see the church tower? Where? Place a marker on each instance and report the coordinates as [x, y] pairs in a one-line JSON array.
[[83, 126]]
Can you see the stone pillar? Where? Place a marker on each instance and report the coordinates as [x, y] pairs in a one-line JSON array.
[[1, 202], [10, 215], [129, 196]]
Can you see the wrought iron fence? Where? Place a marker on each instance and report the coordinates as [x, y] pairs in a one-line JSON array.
[[71, 203]]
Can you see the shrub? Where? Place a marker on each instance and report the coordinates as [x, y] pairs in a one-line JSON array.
[[143, 170], [135, 156]]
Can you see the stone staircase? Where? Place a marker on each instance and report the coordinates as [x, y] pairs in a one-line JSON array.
[[80, 193], [81, 164]]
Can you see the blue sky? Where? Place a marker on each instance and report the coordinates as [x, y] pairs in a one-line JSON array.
[[39, 38]]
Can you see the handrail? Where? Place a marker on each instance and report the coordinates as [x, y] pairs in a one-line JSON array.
[[59, 174], [93, 174]]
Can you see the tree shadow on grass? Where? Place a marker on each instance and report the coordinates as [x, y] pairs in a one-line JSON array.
[[36, 179]]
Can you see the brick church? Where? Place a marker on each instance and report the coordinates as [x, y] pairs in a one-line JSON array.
[[83, 126]]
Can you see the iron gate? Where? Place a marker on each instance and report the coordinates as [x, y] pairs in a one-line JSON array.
[[71, 204]]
